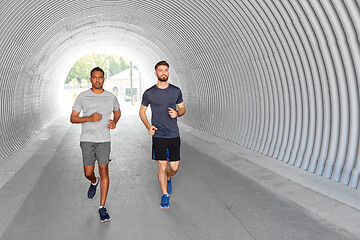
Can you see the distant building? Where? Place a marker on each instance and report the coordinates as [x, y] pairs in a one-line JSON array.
[[120, 85]]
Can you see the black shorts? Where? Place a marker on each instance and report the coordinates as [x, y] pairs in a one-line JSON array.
[[166, 149]]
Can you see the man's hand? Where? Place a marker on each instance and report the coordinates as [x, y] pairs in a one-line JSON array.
[[95, 117], [152, 130], [112, 124], [173, 113]]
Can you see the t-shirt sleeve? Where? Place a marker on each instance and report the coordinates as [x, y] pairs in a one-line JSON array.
[[179, 99], [77, 105], [116, 104], [145, 99]]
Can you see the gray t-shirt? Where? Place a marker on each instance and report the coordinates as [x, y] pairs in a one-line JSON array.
[[104, 103]]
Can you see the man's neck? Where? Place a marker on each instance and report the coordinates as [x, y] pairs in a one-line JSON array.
[[97, 91], [162, 85]]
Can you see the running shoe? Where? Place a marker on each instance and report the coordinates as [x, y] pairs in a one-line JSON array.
[[165, 202], [104, 216], [169, 186], [92, 189]]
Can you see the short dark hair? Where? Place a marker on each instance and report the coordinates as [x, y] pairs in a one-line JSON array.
[[96, 69], [161, 63]]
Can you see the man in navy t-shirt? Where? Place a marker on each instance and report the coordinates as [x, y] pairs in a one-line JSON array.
[[164, 99]]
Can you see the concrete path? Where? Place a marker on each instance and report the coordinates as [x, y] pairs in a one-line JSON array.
[[45, 198]]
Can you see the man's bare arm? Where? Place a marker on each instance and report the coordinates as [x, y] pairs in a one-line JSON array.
[[182, 109], [174, 114], [113, 122], [144, 119], [117, 115], [74, 118]]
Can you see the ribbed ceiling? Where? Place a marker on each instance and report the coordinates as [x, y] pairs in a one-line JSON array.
[[279, 77]]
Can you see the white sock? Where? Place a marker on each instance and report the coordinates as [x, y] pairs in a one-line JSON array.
[[101, 207], [97, 180]]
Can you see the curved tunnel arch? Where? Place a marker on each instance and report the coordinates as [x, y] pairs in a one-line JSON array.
[[277, 77]]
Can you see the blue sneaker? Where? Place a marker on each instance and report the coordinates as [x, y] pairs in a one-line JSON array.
[[169, 186], [104, 216], [92, 189], [165, 202]]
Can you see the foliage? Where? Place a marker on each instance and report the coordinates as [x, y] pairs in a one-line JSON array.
[[84, 83], [81, 69], [73, 82]]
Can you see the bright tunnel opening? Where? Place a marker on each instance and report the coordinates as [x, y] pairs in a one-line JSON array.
[[122, 78]]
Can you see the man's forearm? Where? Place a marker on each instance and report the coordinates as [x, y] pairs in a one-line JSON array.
[[117, 116], [181, 112], [79, 119], [116, 119], [144, 120]]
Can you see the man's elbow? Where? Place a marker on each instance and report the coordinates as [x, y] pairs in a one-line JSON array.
[[141, 113], [184, 111], [72, 119]]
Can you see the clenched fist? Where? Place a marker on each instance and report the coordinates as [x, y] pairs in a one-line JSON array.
[[173, 113], [112, 124], [95, 117], [152, 130]]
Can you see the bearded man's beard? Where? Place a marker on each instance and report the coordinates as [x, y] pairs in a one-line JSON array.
[[163, 78]]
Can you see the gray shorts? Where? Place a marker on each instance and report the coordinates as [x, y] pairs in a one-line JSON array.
[[92, 151]]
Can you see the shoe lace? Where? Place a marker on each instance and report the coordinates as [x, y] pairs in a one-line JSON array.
[[165, 199], [103, 211]]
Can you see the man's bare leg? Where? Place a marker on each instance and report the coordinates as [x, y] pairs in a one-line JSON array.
[[173, 168], [162, 175], [89, 173], [104, 183]]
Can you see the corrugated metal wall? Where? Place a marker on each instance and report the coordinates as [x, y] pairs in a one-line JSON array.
[[280, 77]]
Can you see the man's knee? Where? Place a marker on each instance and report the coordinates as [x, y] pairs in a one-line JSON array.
[[89, 171], [162, 166], [103, 170], [174, 167], [89, 174]]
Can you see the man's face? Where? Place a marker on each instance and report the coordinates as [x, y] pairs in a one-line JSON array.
[[97, 79], [162, 73]]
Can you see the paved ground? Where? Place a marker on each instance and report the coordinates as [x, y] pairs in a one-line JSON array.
[[217, 194]]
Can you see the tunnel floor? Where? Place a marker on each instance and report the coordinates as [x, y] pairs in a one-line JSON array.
[[46, 197]]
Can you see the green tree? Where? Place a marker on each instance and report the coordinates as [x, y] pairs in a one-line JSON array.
[[73, 82], [84, 83], [82, 68]]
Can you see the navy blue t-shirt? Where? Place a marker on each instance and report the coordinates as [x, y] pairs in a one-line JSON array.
[[160, 100]]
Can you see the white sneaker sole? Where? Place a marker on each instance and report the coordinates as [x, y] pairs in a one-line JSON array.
[[106, 220]]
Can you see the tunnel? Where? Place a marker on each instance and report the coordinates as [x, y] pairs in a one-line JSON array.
[[279, 78]]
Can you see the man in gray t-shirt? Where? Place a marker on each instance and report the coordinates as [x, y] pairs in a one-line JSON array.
[[97, 106]]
